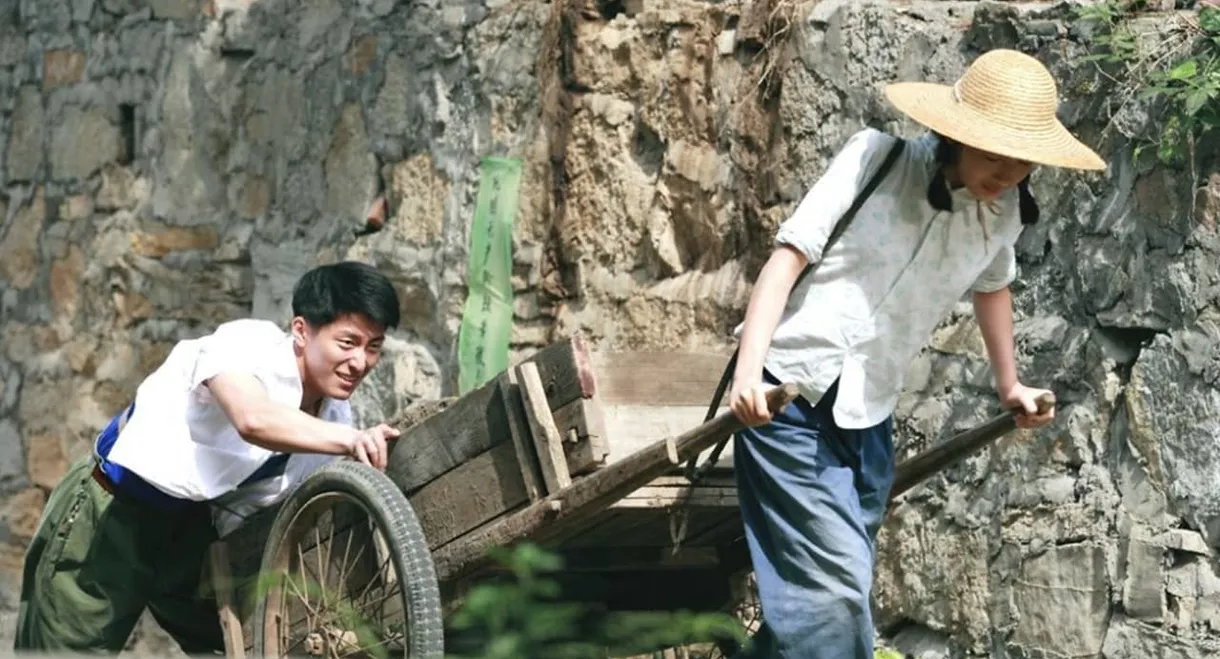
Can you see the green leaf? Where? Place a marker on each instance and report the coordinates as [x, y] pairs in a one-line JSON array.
[[1209, 20], [1185, 70], [1195, 101]]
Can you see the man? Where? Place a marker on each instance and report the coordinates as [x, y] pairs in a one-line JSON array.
[[814, 479], [230, 421]]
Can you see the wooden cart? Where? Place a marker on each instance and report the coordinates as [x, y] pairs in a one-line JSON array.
[[578, 451]]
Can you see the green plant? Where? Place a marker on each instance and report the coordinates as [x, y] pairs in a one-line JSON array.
[[1117, 41], [1176, 67], [524, 617], [333, 620], [521, 616]]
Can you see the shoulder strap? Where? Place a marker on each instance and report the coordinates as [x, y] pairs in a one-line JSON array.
[[850, 213], [839, 228]]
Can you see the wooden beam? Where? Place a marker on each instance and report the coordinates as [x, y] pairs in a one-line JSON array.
[[547, 442], [230, 624], [483, 488], [590, 494], [478, 421], [913, 471], [582, 424], [519, 430]]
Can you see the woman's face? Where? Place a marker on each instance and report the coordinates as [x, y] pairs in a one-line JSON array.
[[987, 175]]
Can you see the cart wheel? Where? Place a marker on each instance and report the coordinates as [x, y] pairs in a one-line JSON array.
[[347, 572]]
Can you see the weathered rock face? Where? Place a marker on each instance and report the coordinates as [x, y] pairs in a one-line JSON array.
[[168, 165]]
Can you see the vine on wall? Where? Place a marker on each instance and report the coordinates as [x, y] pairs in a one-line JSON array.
[[1171, 61]]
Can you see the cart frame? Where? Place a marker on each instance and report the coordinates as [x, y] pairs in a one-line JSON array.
[[545, 449]]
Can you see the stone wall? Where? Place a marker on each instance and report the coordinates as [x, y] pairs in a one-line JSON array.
[[169, 164]]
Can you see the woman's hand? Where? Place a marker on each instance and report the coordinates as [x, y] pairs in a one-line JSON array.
[[748, 400], [1025, 400]]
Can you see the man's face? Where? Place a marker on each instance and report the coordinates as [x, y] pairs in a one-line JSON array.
[[987, 175], [339, 355]]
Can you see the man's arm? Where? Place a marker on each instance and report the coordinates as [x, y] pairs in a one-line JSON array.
[[993, 311], [272, 426]]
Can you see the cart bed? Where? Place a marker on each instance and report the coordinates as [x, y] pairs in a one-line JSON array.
[[562, 414]]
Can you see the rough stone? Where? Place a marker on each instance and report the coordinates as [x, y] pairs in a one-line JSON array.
[[1062, 602], [660, 149], [418, 194], [1185, 541], [62, 67], [82, 140], [173, 239], [1207, 204], [22, 512], [12, 465], [76, 207], [65, 284], [915, 552], [121, 189], [24, 156], [351, 169], [1176, 419], [46, 461], [19, 255], [1144, 588], [176, 9], [1127, 639]]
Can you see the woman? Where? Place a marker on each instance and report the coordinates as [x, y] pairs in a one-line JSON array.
[[814, 480]]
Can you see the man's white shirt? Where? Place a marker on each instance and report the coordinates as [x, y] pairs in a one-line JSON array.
[[180, 440]]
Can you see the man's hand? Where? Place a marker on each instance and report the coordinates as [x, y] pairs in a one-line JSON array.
[[369, 446], [748, 400], [1024, 399]]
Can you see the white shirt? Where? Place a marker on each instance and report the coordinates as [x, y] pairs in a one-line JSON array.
[[874, 299], [180, 441]]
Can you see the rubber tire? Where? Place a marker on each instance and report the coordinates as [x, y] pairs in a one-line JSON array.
[[396, 519]]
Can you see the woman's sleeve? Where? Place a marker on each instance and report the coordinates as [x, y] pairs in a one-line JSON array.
[[809, 227], [999, 273]]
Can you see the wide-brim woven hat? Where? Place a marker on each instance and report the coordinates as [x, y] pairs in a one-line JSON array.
[[1004, 103]]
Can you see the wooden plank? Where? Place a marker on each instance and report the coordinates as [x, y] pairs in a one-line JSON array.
[[658, 378], [547, 442], [587, 496], [483, 488], [711, 480], [671, 497], [582, 424], [245, 550], [632, 427], [477, 421], [519, 430], [230, 624]]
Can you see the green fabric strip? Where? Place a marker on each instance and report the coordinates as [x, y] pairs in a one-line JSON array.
[[487, 319]]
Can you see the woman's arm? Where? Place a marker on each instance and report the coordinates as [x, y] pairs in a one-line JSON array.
[[993, 311], [747, 398]]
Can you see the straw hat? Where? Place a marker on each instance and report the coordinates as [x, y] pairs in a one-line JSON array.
[[1004, 103]]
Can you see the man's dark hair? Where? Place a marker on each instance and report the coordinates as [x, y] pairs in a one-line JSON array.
[[327, 292]]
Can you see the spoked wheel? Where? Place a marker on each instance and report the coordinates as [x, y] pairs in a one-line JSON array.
[[347, 573]]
